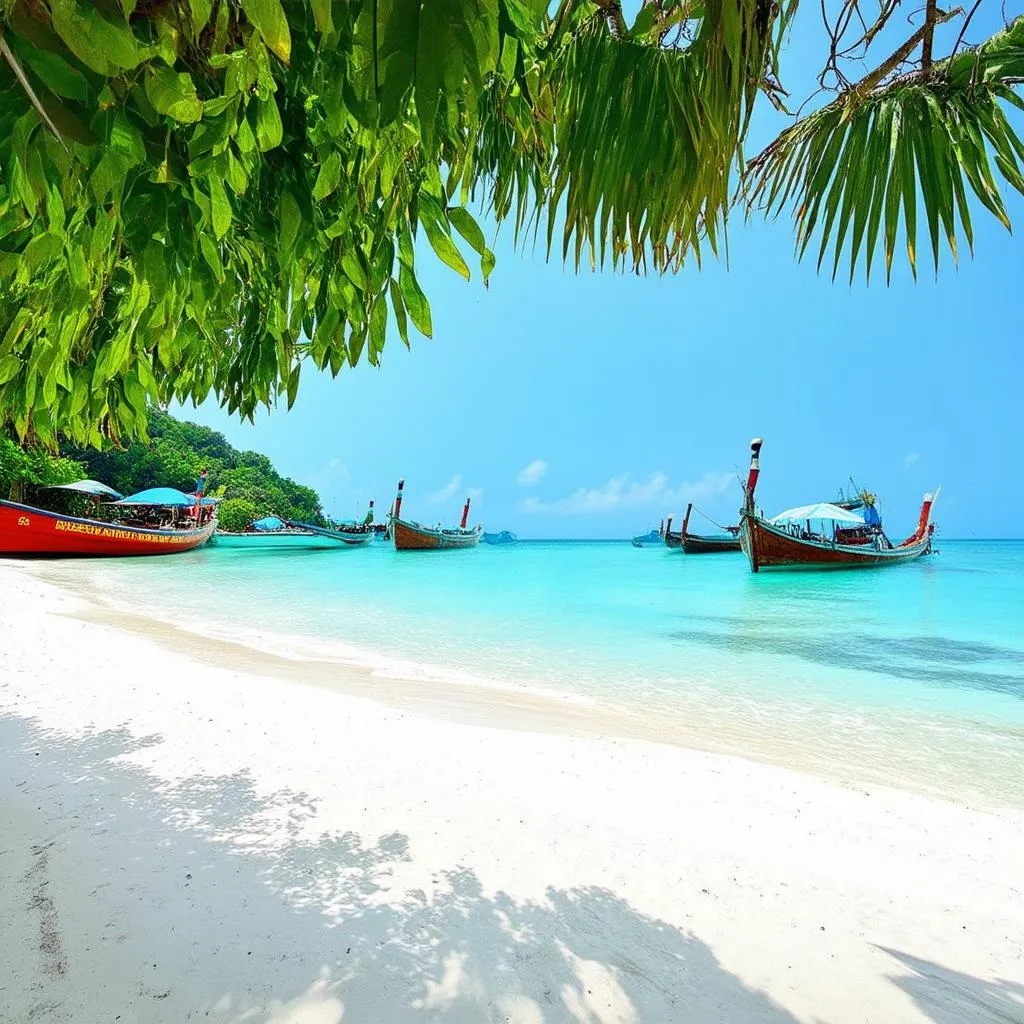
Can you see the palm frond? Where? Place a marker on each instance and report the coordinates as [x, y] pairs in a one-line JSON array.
[[623, 147], [863, 165]]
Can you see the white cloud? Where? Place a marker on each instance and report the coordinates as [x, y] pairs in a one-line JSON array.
[[532, 474], [909, 460], [622, 493], [449, 490]]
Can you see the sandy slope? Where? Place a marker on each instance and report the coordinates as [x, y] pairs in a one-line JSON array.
[[185, 841]]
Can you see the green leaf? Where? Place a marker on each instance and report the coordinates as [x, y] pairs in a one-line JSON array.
[[378, 327], [398, 23], [456, 48], [356, 340], [523, 17], [463, 222], [212, 257], [441, 242], [236, 176], [155, 268], [399, 308], [173, 94], [49, 389], [353, 267], [268, 17], [322, 16], [221, 208], [126, 139], [644, 21], [105, 46], [329, 177], [102, 235], [293, 384], [415, 301], [55, 72], [290, 217], [9, 368], [268, 124], [40, 250], [200, 10]]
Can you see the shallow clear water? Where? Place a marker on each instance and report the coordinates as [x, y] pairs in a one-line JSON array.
[[912, 674]]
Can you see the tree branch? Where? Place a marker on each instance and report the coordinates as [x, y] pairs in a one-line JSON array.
[[929, 34], [612, 10], [963, 28], [871, 80], [19, 74]]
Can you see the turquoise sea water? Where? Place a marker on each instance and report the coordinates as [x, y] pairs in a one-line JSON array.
[[912, 674]]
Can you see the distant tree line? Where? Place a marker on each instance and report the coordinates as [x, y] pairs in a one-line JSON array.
[[177, 452]]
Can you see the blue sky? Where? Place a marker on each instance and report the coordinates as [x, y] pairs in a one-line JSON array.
[[591, 405]]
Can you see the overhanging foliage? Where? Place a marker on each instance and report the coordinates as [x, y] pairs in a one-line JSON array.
[[197, 196]]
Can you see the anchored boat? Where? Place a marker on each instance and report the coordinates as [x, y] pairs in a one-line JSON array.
[[673, 540], [411, 536], [703, 544], [164, 521], [824, 535]]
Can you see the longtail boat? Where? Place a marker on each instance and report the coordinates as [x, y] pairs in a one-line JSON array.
[[502, 537], [789, 540], [672, 540], [649, 539], [296, 536], [349, 534], [410, 536], [174, 522], [704, 544]]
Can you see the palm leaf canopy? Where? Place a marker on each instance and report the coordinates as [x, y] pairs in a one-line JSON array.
[[865, 165], [199, 197]]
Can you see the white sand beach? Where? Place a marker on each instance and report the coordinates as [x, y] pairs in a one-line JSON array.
[[184, 838]]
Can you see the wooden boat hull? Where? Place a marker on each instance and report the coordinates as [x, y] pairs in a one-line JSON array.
[[296, 540], [673, 540], [352, 536], [409, 536], [695, 544], [25, 530], [769, 547]]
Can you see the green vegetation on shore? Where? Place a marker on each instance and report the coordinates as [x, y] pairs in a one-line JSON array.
[[176, 453], [27, 467]]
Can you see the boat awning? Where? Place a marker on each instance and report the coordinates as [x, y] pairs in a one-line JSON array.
[[268, 523], [166, 496], [819, 510], [91, 487]]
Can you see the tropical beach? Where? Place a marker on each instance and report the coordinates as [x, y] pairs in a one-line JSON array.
[[510, 512], [197, 829]]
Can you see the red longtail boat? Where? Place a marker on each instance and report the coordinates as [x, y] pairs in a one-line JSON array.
[[410, 536], [704, 544], [25, 530], [788, 541]]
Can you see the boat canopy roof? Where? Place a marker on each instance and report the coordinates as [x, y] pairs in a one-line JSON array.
[[166, 496], [268, 523], [819, 510], [93, 487]]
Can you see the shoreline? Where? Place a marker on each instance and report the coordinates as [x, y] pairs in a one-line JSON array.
[[456, 695], [189, 833]]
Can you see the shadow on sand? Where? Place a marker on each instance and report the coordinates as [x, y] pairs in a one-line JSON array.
[[949, 997], [214, 904]]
